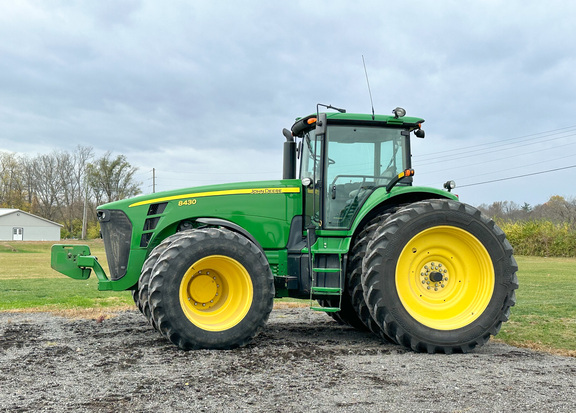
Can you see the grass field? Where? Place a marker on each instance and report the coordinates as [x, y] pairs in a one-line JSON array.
[[544, 317], [27, 283]]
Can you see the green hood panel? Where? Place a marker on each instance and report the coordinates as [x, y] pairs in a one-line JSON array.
[[264, 208]]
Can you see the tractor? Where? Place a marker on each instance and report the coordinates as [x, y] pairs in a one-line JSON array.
[[345, 228]]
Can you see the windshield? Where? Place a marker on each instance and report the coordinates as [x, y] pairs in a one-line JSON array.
[[359, 159]]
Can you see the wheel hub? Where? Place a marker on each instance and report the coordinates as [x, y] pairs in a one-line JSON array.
[[434, 275], [203, 289]]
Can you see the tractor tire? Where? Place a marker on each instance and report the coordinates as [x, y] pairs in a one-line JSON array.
[[347, 314], [440, 277], [137, 300], [355, 289], [144, 281], [211, 288]]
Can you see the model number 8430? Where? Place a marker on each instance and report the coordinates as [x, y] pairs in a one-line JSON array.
[[187, 202]]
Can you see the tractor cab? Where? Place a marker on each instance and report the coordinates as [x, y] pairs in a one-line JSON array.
[[344, 158]]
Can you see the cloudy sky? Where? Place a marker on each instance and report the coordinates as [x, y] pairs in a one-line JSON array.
[[200, 90]]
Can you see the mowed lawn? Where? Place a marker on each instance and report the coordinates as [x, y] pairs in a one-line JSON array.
[[27, 282], [544, 317]]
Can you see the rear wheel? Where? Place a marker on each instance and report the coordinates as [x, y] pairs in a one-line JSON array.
[[440, 277], [136, 300], [211, 288], [355, 288]]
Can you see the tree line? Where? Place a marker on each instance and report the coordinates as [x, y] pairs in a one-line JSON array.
[[64, 186], [557, 209], [546, 230]]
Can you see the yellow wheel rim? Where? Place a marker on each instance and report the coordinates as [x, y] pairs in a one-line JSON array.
[[445, 278], [216, 293]]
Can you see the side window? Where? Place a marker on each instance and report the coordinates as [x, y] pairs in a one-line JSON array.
[[310, 159], [310, 167]]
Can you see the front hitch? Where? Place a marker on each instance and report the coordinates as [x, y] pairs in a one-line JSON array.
[[76, 262]]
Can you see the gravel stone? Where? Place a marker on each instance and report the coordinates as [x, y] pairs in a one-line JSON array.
[[302, 362]]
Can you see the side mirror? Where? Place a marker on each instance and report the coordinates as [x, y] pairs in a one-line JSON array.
[[419, 133]]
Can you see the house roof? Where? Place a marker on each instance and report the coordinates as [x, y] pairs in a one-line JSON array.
[[8, 211]]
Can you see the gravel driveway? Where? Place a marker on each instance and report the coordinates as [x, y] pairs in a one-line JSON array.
[[302, 362]]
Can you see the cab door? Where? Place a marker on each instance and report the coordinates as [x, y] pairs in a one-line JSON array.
[[358, 160], [311, 175]]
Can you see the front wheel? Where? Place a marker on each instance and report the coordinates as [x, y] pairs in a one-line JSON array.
[[211, 288], [440, 277]]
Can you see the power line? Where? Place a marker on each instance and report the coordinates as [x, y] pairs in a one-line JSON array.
[[469, 154], [499, 143], [516, 167], [517, 176]]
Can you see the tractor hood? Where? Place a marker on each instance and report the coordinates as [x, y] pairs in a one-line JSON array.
[[182, 195], [263, 208]]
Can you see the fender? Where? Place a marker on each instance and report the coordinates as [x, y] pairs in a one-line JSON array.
[[380, 200], [232, 227]]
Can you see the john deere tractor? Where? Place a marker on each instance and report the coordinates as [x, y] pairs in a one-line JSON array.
[[351, 233]]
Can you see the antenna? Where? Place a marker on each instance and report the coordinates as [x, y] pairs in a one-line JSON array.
[[368, 82]]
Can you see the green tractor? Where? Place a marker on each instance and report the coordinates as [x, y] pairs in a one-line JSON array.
[[352, 234]]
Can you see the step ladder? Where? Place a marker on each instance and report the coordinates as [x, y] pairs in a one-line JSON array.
[[324, 271]]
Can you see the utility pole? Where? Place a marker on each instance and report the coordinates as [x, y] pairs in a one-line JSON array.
[[153, 180], [85, 212]]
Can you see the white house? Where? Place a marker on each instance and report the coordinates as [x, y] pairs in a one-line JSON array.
[[17, 225]]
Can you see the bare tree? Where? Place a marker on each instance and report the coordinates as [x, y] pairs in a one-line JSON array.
[[112, 179], [507, 210], [72, 170], [12, 191], [558, 210], [47, 185]]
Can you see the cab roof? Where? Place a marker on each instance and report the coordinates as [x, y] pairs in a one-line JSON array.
[[365, 119]]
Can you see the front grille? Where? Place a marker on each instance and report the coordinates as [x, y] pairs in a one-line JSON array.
[[117, 234]]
